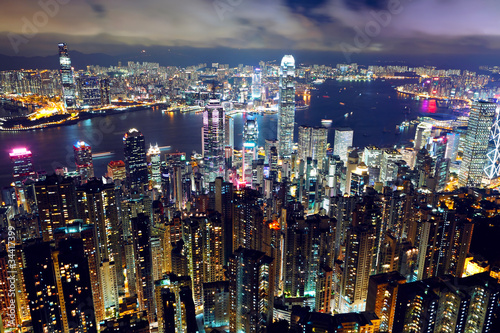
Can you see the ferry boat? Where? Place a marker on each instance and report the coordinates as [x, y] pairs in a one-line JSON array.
[[326, 122]]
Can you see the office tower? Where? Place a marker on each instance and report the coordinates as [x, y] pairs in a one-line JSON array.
[[74, 286], [229, 132], [476, 143], [216, 304], [251, 291], [67, 80], [358, 180], [83, 160], [154, 166], [447, 305], [175, 308], [492, 168], [135, 160], [453, 140], [372, 156], [389, 167], [381, 298], [324, 292], [250, 139], [143, 264], [257, 84], [117, 171], [193, 243], [105, 91], [360, 241], [440, 164], [343, 140], [422, 135], [90, 92], [22, 163], [286, 106], [57, 204], [213, 140], [313, 143]]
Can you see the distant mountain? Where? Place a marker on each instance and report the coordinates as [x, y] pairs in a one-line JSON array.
[[185, 56]]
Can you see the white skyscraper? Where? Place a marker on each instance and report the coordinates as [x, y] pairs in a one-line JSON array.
[[286, 106], [213, 140], [492, 169], [343, 140], [476, 143], [154, 165]]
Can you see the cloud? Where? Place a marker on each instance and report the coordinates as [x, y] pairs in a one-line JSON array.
[[437, 25]]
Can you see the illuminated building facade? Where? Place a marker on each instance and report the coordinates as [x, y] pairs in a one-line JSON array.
[[381, 298], [476, 143], [22, 163], [257, 84], [313, 143], [68, 82], [250, 291], [90, 92], [135, 160], [492, 168], [343, 140], [250, 139], [83, 160], [154, 166], [117, 171], [286, 106], [216, 304], [213, 140]]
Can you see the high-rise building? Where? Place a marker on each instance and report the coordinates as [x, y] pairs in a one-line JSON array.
[[143, 265], [343, 140], [135, 160], [117, 171], [286, 106], [360, 242], [83, 160], [154, 166], [216, 304], [57, 203], [257, 84], [492, 169], [105, 91], [453, 140], [213, 140], [250, 291], [175, 307], [90, 92], [422, 135], [22, 163], [447, 305], [381, 298], [68, 82], [250, 140], [313, 143], [476, 143]]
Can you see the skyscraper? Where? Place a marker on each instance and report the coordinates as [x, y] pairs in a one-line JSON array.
[[22, 163], [154, 166], [83, 160], [312, 143], [256, 84], [250, 291], [213, 140], [476, 143], [250, 137], [343, 140], [135, 160], [492, 169], [68, 82], [90, 91], [286, 106]]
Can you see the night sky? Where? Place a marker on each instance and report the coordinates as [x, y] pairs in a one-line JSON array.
[[449, 27]]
